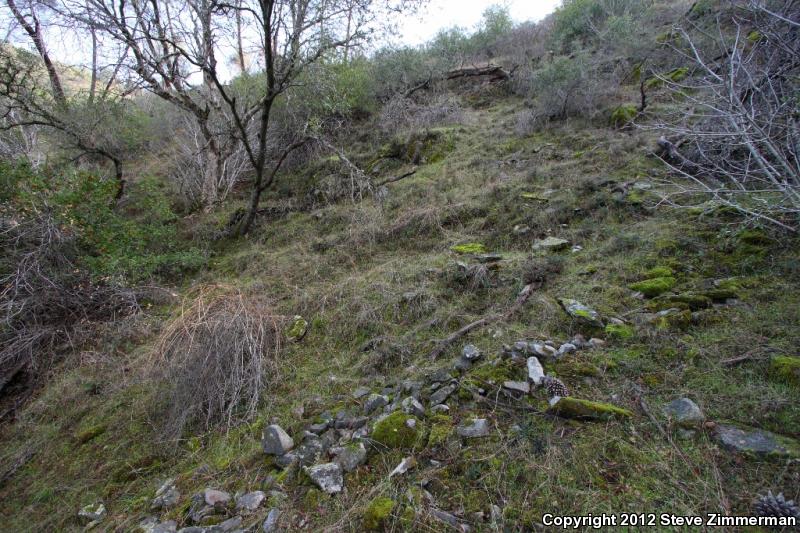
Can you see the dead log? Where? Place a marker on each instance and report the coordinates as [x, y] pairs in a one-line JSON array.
[[494, 72]]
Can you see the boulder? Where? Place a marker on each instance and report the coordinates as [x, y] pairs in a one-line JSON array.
[[685, 413], [276, 441], [328, 477], [756, 443], [551, 244]]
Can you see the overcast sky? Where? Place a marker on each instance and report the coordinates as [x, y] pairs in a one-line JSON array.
[[439, 14]]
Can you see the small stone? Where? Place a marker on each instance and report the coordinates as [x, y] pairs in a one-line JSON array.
[[518, 386], [756, 443], [412, 407], [440, 375], [166, 496], [360, 392], [596, 343], [374, 401], [276, 441], [552, 244], [447, 518], [215, 497], [350, 457], [478, 428], [270, 524], [685, 413], [580, 312], [566, 348], [354, 422], [443, 393], [535, 371], [92, 513], [579, 341], [319, 428], [327, 477], [440, 408], [250, 501], [470, 352], [462, 365], [229, 525], [405, 465]]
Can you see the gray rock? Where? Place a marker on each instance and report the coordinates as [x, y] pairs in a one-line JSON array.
[[551, 244], [518, 386], [229, 525], [447, 518], [251, 501], [685, 413], [360, 393], [414, 388], [353, 422], [535, 371], [270, 524], [440, 376], [756, 442], [478, 428], [580, 312], [440, 408], [470, 352], [170, 526], [596, 343], [166, 496], [350, 457], [566, 348], [276, 441], [543, 350], [462, 365], [92, 513], [405, 465], [214, 497], [443, 393], [319, 428], [579, 341], [328, 477], [412, 407], [374, 401]]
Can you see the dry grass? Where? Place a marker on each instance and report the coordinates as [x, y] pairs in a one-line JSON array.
[[216, 359]]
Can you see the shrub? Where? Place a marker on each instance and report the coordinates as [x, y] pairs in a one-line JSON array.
[[216, 360]]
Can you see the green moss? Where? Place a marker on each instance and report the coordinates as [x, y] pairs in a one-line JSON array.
[[493, 373], [297, 329], [623, 115], [678, 74], [620, 331], [674, 320], [587, 410], [90, 433], [785, 369], [755, 36], [655, 286], [441, 430], [658, 272], [469, 248], [394, 431], [377, 513], [686, 300], [533, 196]]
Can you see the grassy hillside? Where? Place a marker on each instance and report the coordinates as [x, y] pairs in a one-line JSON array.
[[380, 284]]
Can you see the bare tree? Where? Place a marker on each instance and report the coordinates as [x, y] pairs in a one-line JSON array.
[[739, 141]]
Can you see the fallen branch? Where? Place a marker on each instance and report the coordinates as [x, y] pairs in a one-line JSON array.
[[495, 73], [396, 178], [418, 87], [522, 297]]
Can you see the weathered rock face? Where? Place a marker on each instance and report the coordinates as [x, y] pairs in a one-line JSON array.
[[479, 427], [756, 443], [581, 313], [328, 477], [586, 409], [276, 441], [685, 413]]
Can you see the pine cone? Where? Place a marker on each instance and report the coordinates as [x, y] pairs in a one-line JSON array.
[[555, 387], [777, 506]]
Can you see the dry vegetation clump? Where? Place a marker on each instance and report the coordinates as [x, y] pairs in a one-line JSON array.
[[216, 360]]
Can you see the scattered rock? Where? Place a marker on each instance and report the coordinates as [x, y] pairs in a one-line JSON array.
[[440, 375], [543, 350], [445, 517], [92, 514], [350, 422], [535, 371], [251, 501], [440, 408], [328, 477], [297, 329], [152, 525], [685, 413], [443, 393], [551, 244], [596, 343], [350, 457], [470, 352], [276, 441], [270, 524], [229, 525], [214, 497], [375, 401], [756, 443], [405, 465], [412, 407], [478, 428], [580, 312], [166, 496], [518, 386], [360, 393], [586, 409], [566, 348]]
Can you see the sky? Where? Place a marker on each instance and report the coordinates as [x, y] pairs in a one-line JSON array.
[[441, 14]]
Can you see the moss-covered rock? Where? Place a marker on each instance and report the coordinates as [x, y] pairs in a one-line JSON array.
[[686, 300], [655, 286], [620, 331], [398, 430], [623, 115], [377, 513], [658, 272], [87, 434], [587, 410], [469, 248], [582, 313], [440, 431], [672, 319], [785, 369], [297, 329]]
